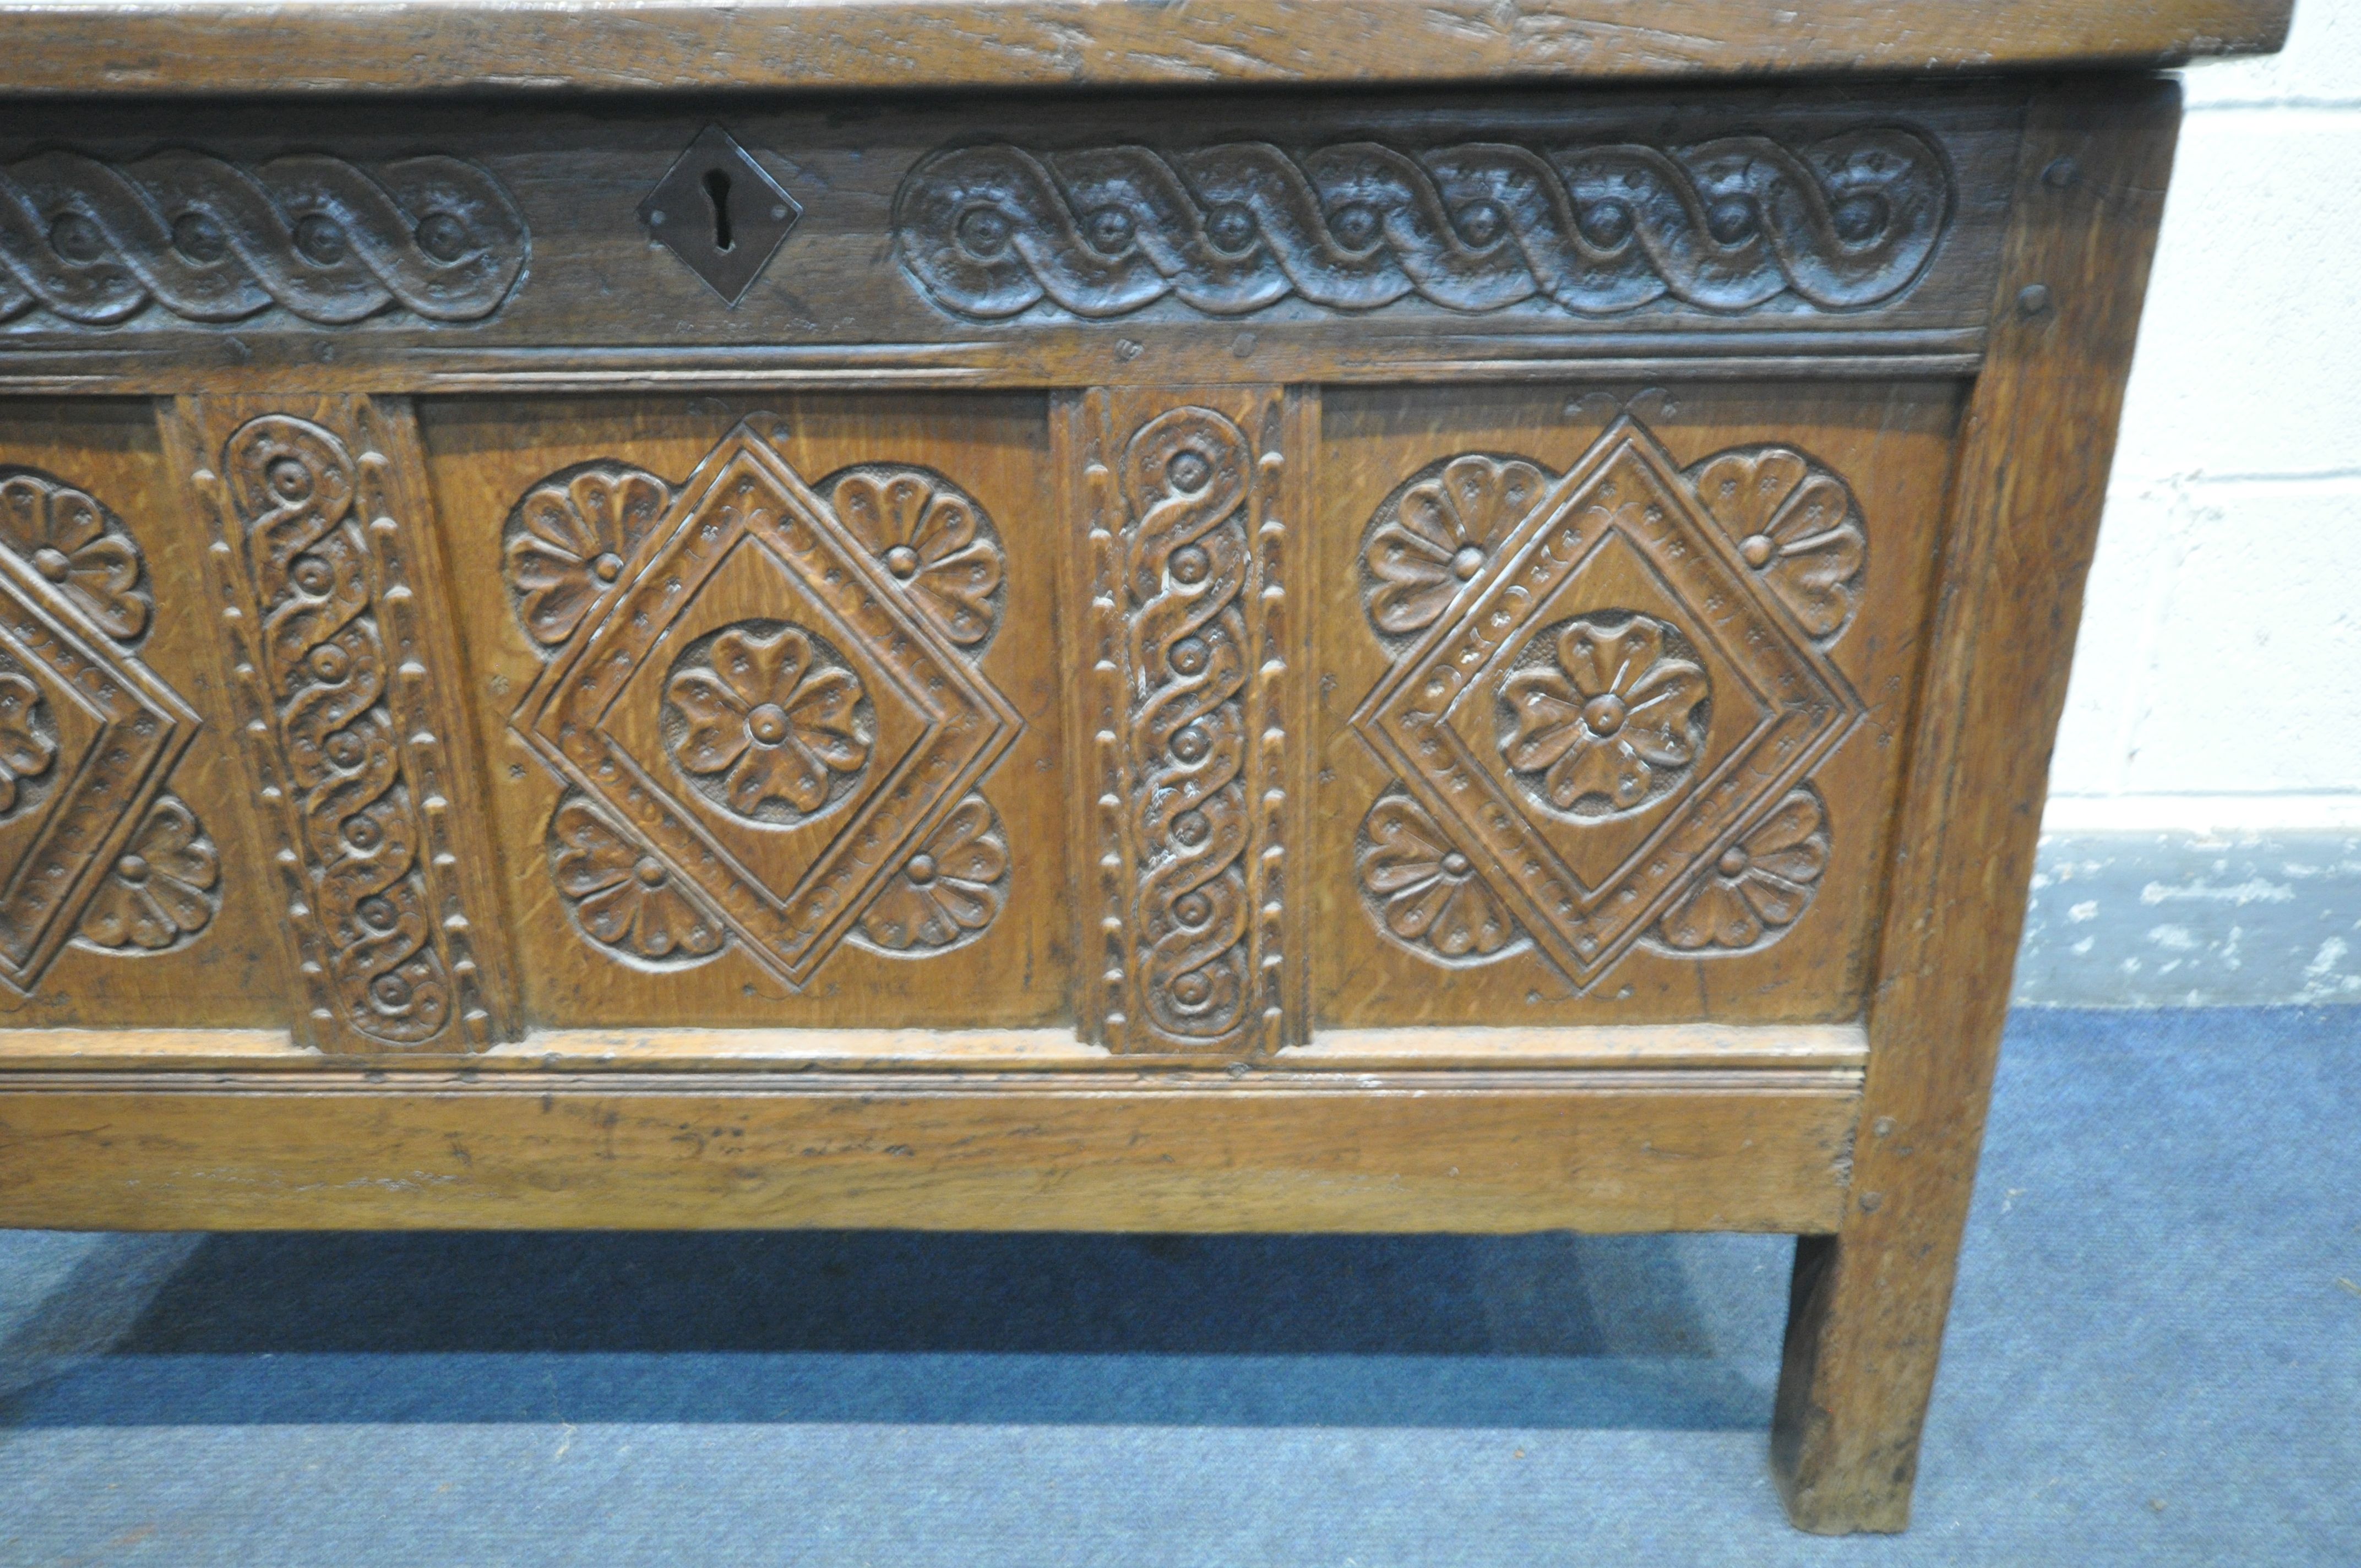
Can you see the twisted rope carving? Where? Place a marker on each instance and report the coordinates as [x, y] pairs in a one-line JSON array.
[[293, 485], [1185, 476], [211, 241], [1727, 225]]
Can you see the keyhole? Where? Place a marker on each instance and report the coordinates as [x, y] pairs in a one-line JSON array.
[[717, 191]]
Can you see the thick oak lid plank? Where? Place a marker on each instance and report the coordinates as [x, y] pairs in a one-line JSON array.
[[184, 46]]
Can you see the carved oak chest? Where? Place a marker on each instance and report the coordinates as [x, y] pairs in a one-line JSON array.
[[1468, 644]]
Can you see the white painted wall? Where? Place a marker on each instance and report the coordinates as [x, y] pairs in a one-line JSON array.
[[2217, 683]]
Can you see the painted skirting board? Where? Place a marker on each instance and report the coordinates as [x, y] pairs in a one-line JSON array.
[[2180, 917]]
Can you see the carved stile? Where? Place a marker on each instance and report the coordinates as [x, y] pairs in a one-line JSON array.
[[1187, 684], [341, 659]]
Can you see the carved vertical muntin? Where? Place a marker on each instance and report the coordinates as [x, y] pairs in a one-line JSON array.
[[1185, 712], [345, 670]]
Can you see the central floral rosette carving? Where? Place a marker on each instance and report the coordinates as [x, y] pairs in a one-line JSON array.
[[766, 718], [1609, 719]]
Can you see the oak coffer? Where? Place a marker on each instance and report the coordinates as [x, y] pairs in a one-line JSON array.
[[1264, 616]]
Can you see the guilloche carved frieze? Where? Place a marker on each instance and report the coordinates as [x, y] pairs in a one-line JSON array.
[[1609, 692], [763, 698], [202, 238], [992, 231]]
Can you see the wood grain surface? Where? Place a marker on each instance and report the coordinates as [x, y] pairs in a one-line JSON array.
[[1867, 1322], [541, 46], [1466, 661], [211, 958], [1712, 1048], [908, 262], [1268, 1152]]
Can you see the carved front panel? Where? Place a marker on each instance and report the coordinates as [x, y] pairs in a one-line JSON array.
[[771, 692], [1609, 685], [89, 736], [1611, 700], [1184, 580], [125, 894], [1194, 720], [766, 693]]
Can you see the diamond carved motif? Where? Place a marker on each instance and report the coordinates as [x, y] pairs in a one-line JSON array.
[[1614, 700], [749, 567], [89, 735]]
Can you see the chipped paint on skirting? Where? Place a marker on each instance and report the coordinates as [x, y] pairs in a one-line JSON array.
[[2194, 919]]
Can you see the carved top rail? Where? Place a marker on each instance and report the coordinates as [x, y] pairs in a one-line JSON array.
[[321, 45], [1329, 239]]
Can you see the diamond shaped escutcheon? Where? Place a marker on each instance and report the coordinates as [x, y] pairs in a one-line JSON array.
[[722, 213]]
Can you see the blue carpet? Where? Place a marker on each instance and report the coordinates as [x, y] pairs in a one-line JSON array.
[[2155, 1357]]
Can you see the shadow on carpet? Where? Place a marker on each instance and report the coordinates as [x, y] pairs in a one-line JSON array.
[[2155, 1357], [864, 1326]]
